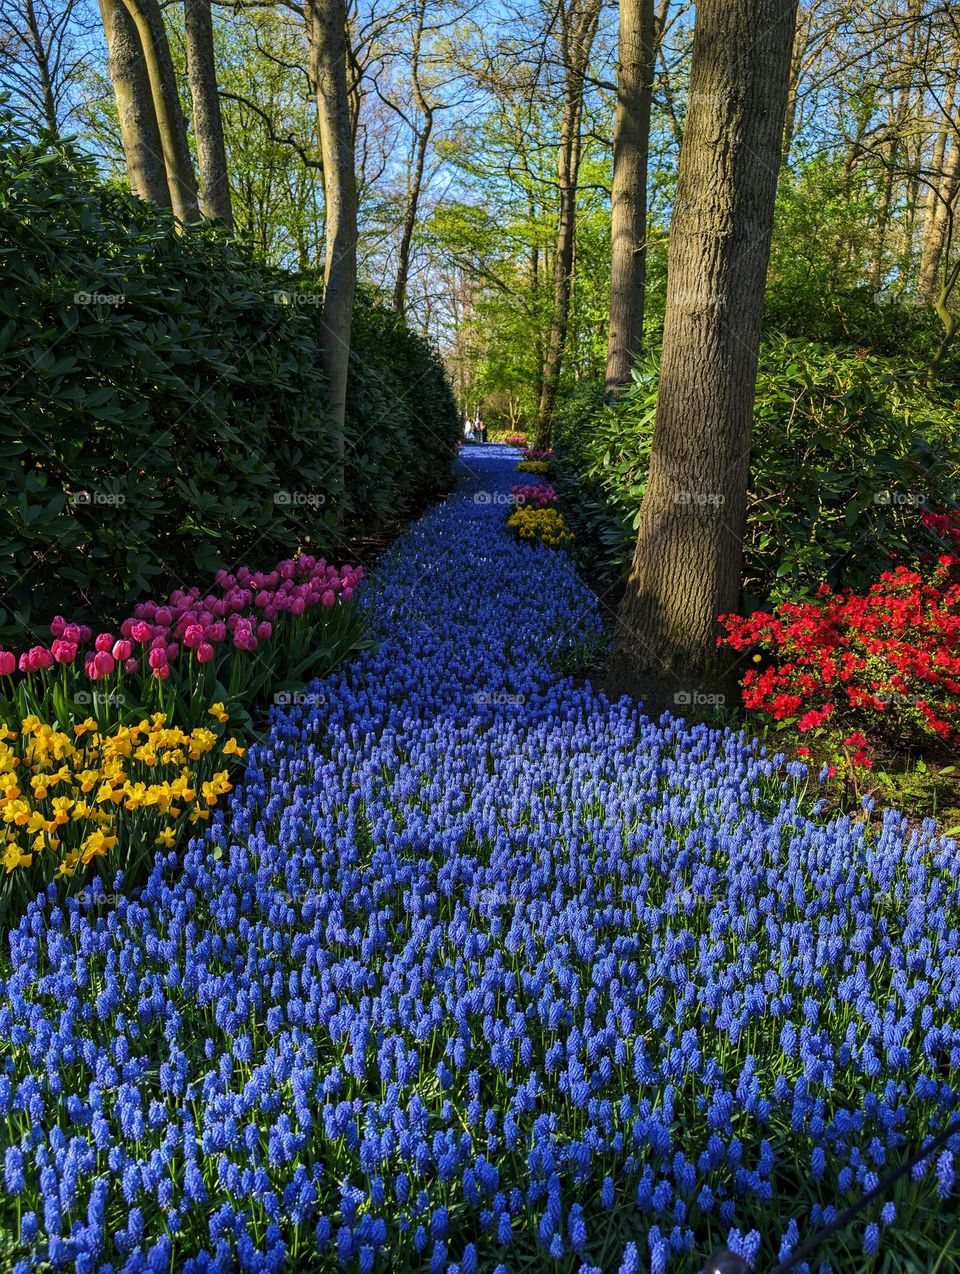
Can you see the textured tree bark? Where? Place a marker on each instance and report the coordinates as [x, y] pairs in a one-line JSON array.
[[139, 134], [181, 179], [628, 194], [327, 35], [687, 565], [579, 26], [207, 120]]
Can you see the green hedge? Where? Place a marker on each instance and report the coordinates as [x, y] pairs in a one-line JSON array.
[[848, 451], [163, 403]]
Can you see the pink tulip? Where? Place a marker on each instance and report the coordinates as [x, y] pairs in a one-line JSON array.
[[157, 659], [104, 641], [141, 631], [8, 663], [57, 625], [104, 663], [122, 650], [164, 616], [328, 599], [297, 606], [217, 631], [131, 665], [264, 630], [64, 652], [149, 610], [193, 636], [161, 673], [173, 650], [347, 594], [126, 628], [204, 652]]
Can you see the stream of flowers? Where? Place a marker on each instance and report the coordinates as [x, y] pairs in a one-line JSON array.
[[478, 971]]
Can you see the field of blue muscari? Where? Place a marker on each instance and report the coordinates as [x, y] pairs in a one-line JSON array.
[[480, 971]]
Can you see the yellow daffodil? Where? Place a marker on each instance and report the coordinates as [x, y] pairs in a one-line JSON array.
[[217, 710], [13, 857]]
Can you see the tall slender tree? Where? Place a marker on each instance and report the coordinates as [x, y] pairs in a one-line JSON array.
[[207, 121], [326, 22], [172, 125], [687, 564], [628, 194], [577, 21], [139, 133]]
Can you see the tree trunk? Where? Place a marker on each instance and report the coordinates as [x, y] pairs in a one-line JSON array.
[[410, 216], [43, 69], [327, 35], [181, 180], [687, 566], [207, 121], [628, 194], [142, 148], [579, 26], [942, 189]]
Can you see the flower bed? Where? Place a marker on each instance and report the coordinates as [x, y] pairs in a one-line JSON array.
[[68, 797], [533, 466], [538, 494], [254, 633], [480, 971], [540, 526], [854, 670]]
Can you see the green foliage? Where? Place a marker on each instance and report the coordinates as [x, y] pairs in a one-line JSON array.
[[825, 246], [164, 404], [848, 450]]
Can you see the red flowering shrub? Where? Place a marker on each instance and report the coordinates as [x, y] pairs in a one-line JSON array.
[[861, 666]]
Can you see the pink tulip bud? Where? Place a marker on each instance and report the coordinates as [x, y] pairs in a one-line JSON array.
[[122, 650], [328, 599], [164, 616], [149, 610], [264, 630], [298, 606], [126, 628], [173, 650], [157, 658], [131, 666], [104, 641], [8, 663], [57, 625], [263, 598], [347, 594], [204, 652]]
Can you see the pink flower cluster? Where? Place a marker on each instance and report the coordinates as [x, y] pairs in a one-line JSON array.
[[242, 610], [537, 494], [531, 453]]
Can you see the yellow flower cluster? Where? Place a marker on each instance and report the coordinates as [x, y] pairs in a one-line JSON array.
[[545, 525], [66, 797], [533, 466]]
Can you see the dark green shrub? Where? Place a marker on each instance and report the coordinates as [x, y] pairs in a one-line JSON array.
[[164, 404], [848, 451]]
